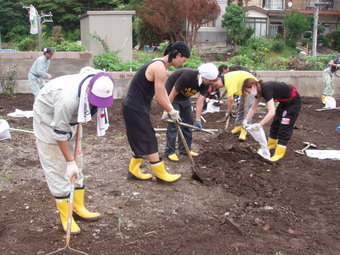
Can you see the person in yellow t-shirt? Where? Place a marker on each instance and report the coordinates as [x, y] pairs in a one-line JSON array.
[[233, 82]]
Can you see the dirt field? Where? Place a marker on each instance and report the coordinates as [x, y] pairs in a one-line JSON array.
[[245, 206]]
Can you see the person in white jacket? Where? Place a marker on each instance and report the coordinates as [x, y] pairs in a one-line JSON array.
[[39, 70], [61, 105]]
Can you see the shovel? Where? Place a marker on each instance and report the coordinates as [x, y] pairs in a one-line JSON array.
[[70, 205], [195, 175]]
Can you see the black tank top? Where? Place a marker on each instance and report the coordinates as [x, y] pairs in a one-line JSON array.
[[141, 91]]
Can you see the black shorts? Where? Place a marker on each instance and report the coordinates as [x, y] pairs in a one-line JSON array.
[[140, 133]]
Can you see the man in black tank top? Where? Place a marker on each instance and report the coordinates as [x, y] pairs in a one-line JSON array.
[[148, 83]]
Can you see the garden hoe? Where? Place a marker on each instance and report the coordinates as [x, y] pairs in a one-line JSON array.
[[308, 144], [70, 205], [195, 175]]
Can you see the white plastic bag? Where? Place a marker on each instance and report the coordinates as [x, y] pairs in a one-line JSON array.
[[4, 130], [211, 108], [330, 102], [259, 136]]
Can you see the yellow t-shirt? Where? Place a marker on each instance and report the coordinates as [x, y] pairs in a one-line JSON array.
[[233, 81]]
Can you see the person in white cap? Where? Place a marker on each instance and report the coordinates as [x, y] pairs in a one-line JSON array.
[[61, 105], [39, 71], [181, 86]]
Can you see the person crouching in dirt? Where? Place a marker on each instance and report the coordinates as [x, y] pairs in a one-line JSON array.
[[181, 86], [61, 105], [233, 82], [147, 83], [284, 116]]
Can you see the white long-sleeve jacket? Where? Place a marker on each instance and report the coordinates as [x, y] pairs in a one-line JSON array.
[[55, 109]]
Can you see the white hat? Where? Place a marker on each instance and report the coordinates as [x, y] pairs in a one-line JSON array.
[[208, 71], [101, 90]]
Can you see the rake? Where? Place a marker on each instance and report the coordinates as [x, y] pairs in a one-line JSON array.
[[70, 205]]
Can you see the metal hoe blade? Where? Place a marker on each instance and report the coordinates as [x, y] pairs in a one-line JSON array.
[[195, 175]]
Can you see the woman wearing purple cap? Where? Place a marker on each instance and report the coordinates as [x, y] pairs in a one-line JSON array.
[[57, 111], [148, 83]]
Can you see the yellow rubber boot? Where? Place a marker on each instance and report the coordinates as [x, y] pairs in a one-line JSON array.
[[272, 143], [134, 169], [243, 135], [161, 173], [173, 157], [279, 153], [236, 129], [79, 207], [323, 99], [62, 206]]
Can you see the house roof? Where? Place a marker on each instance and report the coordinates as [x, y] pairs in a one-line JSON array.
[[255, 8]]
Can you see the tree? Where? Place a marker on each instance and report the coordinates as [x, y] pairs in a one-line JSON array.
[[200, 12], [295, 25], [234, 21], [168, 17]]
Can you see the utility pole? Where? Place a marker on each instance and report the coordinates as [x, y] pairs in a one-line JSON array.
[[315, 25], [42, 18]]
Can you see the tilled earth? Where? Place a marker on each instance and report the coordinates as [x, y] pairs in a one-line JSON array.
[[245, 206]]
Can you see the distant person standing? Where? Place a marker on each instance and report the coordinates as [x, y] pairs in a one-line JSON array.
[[327, 77], [39, 71]]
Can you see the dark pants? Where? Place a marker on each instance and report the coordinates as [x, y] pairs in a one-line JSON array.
[[140, 133], [185, 112], [284, 120]]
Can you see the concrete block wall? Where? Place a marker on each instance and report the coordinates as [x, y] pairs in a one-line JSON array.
[[62, 63], [308, 83]]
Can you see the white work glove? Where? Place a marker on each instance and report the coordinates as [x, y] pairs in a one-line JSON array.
[[71, 169], [245, 124], [174, 115], [227, 115], [48, 76], [338, 65], [165, 116], [253, 127]]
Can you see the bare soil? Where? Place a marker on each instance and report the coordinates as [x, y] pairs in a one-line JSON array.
[[245, 206]]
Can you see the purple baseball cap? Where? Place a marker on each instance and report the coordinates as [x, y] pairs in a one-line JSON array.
[[101, 90]]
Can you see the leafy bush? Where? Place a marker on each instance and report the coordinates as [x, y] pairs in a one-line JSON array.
[[27, 44], [336, 37], [278, 63], [8, 80], [278, 46], [291, 43], [69, 46], [242, 60], [259, 42]]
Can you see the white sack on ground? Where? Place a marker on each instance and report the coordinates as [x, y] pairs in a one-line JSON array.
[[4, 130], [324, 154], [330, 102], [20, 114], [260, 137], [211, 108]]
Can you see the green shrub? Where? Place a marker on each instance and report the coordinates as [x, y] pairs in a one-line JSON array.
[[291, 43], [242, 60], [259, 42], [278, 63], [27, 44], [307, 34], [69, 46], [8, 80], [336, 37], [278, 46]]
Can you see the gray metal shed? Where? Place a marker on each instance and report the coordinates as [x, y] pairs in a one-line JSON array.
[[114, 27]]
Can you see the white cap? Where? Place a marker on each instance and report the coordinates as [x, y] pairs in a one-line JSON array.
[[208, 71], [101, 90]]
